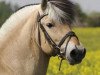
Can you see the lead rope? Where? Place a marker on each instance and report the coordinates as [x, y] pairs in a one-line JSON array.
[[60, 63]]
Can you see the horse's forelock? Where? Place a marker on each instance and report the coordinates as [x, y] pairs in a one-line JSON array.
[[63, 10]]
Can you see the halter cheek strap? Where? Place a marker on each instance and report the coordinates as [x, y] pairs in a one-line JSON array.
[[49, 39]]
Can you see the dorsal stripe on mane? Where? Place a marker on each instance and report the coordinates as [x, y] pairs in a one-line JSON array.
[[26, 6]]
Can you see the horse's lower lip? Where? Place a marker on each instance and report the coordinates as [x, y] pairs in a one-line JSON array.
[[73, 62]]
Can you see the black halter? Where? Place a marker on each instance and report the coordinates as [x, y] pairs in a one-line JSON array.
[[55, 47]]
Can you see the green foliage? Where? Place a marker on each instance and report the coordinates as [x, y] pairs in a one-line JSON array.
[[79, 13], [90, 65], [94, 19], [5, 12]]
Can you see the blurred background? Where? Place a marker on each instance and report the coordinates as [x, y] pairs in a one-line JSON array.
[[86, 26]]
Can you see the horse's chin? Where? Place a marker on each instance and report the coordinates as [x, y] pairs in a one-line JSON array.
[[73, 62]]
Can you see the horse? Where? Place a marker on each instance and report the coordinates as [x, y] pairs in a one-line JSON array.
[[35, 33]]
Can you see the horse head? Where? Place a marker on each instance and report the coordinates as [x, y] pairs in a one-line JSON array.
[[55, 23]]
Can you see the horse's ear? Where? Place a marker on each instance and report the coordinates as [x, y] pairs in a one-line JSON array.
[[44, 4]]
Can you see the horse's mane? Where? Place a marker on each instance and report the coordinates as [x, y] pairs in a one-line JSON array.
[[62, 10], [26, 6]]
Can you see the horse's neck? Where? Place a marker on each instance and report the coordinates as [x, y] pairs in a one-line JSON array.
[[42, 65], [42, 61], [18, 52]]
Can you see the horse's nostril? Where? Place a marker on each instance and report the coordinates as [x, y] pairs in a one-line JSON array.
[[73, 53]]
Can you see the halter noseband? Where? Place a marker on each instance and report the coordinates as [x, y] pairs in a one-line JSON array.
[[56, 48]]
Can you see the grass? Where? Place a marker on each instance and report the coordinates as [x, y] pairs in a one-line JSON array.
[[90, 37]]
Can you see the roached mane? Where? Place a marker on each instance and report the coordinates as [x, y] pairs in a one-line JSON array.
[[61, 10]]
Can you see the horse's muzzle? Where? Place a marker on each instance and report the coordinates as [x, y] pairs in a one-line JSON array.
[[76, 56]]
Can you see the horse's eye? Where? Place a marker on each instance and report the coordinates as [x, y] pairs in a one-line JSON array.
[[50, 25]]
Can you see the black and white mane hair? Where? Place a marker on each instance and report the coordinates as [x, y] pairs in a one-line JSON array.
[[60, 10]]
